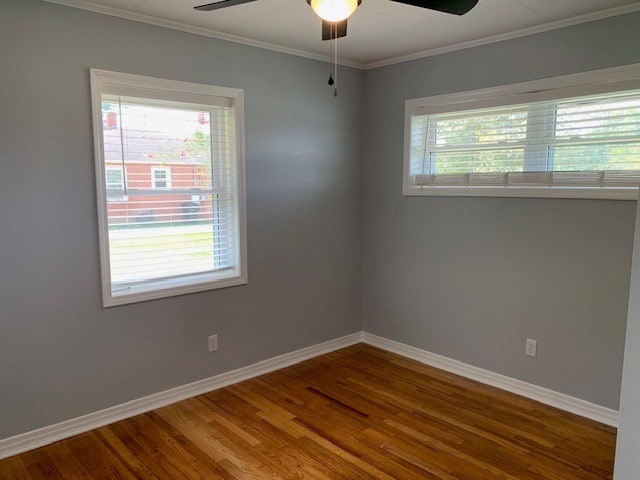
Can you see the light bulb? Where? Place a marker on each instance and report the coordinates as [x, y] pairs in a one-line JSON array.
[[334, 10]]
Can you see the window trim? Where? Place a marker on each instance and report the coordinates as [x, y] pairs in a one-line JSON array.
[[194, 93], [167, 179], [586, 83]]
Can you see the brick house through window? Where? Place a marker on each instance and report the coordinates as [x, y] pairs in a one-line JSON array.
[[141, 189]]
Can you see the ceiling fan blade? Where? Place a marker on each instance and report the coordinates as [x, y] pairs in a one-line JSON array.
[[457, 7], [331, 30], [207, 7]]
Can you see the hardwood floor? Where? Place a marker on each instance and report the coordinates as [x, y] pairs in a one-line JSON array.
[[358, 413]]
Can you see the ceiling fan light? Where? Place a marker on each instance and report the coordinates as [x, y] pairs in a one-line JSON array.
[[334, 10]]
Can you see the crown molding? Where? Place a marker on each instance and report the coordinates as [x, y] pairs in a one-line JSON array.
[[206, 32], [589, 17], [139, 17]]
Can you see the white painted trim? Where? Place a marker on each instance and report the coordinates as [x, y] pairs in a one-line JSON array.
[[75, 426], [602, 193], [167, 90], [528, 390], [139, 17], [589, 17], [202, 94], [100, 175], [168, 288], [44, 436], [206, 32], [606, 80]]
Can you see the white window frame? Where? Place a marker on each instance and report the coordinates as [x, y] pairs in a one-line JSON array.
[[103, 81], [587, 83], [167, 171]]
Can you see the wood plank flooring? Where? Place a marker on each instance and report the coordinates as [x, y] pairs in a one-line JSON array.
[[358, 413]]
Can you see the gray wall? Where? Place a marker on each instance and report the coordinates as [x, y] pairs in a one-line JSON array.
[[471, 278], [61, 354], [628, 446]]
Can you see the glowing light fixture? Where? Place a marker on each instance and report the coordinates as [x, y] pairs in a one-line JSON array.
[[334, 10]]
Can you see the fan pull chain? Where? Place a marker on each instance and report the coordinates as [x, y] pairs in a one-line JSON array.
[[331, 81], [335, 64], [333, 77]]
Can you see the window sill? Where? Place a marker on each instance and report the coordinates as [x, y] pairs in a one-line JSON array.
[[172, 288], [527, 192]]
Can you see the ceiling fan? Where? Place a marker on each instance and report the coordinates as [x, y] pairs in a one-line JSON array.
[[334, 13]]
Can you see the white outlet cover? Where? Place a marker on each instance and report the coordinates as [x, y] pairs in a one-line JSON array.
[[213, 343], [531, 347]]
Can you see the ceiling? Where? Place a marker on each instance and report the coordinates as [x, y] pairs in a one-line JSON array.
[[380, 31]]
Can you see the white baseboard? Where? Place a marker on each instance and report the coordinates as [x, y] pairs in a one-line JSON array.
[[528, 390], [44, 436]]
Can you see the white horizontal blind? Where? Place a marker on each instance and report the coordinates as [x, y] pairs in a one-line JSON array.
[[589, 141], [171, 199]]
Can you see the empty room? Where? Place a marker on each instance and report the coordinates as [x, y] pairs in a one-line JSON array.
[[323, 239]]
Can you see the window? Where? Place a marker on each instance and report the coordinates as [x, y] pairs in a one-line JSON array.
[[563, 141], [160, 178], [170, 183], [114, 178]]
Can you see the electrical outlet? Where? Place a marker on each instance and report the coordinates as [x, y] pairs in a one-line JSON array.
[[531, 347], [213, 343]]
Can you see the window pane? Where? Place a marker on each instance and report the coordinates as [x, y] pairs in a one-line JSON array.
[[485, 161], [114, 178], [170, 236], [589, 141], [159, 234], [172, 218], [481, 128], [476, 142], [160, 178], [597, 157], [598, 134], [598, 119]]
